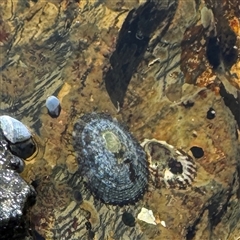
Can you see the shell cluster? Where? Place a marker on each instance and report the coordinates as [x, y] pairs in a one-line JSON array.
[[18, 137], [170, 167], [112, 161]]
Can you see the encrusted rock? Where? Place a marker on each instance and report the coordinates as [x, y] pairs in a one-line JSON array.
[[16, 196]]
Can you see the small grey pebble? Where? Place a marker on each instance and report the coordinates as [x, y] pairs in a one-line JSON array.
[[53, 106]]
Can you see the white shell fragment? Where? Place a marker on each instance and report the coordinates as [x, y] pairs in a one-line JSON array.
[[53, 106], [13, 130], [163, 223], [146, 216]]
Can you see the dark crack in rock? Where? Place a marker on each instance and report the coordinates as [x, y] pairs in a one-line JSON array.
[[221, 48], [16, 196]]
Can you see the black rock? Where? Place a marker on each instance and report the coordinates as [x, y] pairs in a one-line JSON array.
[[16, 196], [211, 114], [88, 225], [37, 236], [197, 152], [128, 219], [23, 149]]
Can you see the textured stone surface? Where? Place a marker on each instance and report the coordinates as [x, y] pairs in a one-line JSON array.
[[16, 196], [14, 201], [159, 79]]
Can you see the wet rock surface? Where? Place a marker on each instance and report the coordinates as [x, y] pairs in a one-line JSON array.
[[16, 196], [160, 81]]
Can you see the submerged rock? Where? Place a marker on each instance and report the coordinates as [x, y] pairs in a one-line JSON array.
[[128, 219], [138, 66], [112, 161], [16, 196]]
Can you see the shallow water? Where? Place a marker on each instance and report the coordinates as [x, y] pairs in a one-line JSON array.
[[146, 65]]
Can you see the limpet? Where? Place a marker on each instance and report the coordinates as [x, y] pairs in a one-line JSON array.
[[170, 167], [111, 160]]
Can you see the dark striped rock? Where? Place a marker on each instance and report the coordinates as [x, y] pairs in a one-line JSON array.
[[60, 215]]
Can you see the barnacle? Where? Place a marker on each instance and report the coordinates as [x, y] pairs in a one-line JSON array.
[[111, 160], [170, 166]]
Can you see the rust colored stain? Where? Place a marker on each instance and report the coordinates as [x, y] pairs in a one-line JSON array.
[[75, 223], [4, 35], [193, 59], [234, 25]]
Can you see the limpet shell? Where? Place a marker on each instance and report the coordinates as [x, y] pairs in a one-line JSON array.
[[13, 130], [111, 160], [171, 167]]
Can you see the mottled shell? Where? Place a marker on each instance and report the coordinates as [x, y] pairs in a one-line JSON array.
[[171, 167], [112, 161], [13, 130]]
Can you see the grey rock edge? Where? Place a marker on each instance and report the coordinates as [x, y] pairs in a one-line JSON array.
[[16, 196]]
